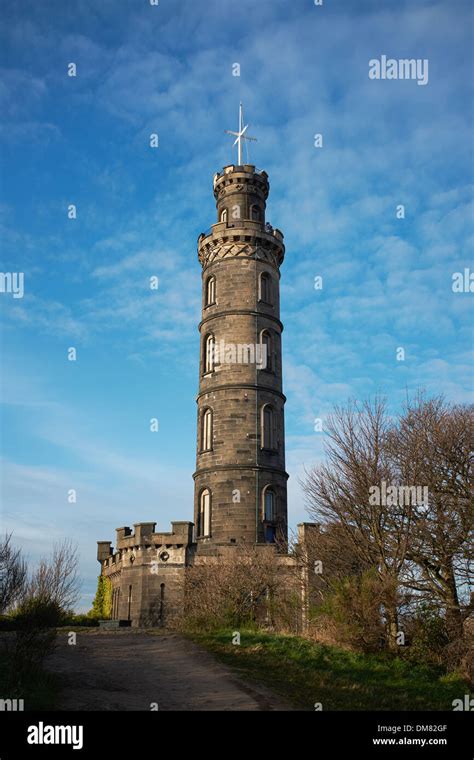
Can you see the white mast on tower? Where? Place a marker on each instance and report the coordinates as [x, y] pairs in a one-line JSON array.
[[240, 135]]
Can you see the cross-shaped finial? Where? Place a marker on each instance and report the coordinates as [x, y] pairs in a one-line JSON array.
[[240, 135]]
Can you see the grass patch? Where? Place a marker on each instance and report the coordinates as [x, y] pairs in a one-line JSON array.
[[304, 673]]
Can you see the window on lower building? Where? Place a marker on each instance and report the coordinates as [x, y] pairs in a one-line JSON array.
[[162, 602]]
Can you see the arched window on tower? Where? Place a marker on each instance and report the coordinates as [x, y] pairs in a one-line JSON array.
[[255, 213], [224, 215], [268, 434], [265, 288], [268, 504], [266, 351], [211, 291], [209, 358], [204, 514], [269, 514], [206, 432]]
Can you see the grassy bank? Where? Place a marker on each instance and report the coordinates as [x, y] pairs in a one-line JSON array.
[[305, 673]]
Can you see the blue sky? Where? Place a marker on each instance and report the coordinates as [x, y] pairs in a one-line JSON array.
[[167, 69]]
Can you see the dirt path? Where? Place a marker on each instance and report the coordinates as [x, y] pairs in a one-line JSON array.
[[130, 670]]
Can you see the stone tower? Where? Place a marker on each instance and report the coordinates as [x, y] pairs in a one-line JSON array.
[[240, 478]]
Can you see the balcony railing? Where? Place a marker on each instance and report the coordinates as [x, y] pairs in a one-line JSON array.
[[244, 224], [234, 166]]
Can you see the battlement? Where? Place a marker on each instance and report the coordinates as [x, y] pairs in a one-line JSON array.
[[241, 179], [244, 169], [144, 536]]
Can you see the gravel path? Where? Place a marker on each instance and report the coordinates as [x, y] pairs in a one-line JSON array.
[[130, 670]]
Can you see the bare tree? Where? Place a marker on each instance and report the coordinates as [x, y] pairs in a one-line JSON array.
[[13, 572], [432, 445], [340, 490], [56, 578], [245, 584]]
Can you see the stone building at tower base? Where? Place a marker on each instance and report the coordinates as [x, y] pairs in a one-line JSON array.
[[147, 571]]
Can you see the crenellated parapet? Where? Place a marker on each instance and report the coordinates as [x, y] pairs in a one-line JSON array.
[[144, 540]]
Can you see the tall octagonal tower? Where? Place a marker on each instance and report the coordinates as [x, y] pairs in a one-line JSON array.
[[240, 478]]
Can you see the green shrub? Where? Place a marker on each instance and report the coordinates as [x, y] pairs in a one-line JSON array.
[[36, 613], [102, 604], [351, 613], [34, 624], [6, 623], [83, 620], [427, 637]]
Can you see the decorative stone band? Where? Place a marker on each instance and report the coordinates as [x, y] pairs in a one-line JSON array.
[[241, 243], [231, 312], [252, 467], [240, 386]]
